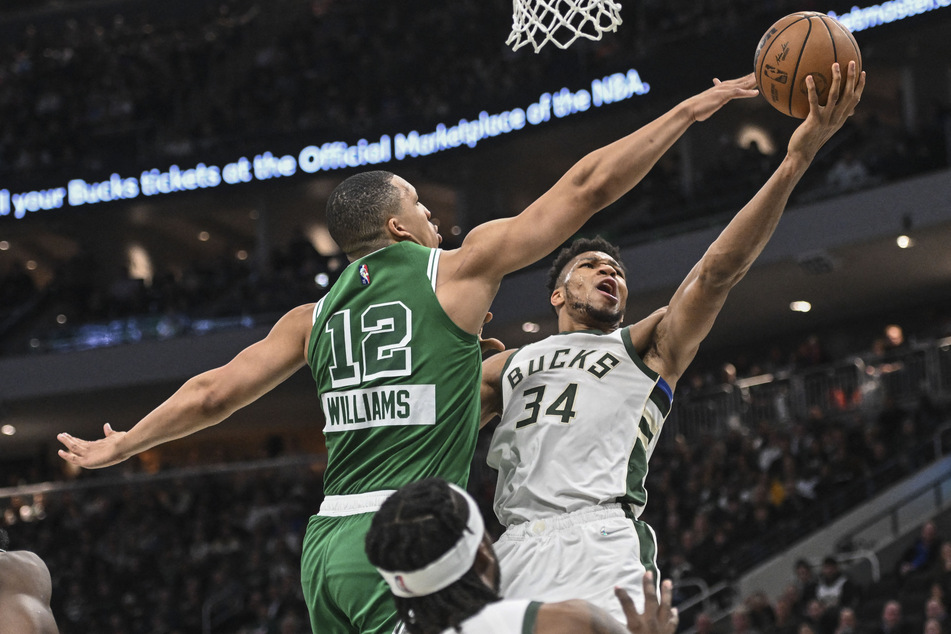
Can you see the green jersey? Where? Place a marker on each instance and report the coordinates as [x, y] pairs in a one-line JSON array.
[[398, 380]]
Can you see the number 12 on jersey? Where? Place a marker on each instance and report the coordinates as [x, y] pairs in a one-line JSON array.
[[386, 331]]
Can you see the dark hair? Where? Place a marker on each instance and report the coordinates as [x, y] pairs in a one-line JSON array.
[[4, 539], [415, 527], [357, 209], [573, 250]]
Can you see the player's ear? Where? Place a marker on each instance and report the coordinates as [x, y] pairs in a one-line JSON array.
[[558, 297], [396, 230]]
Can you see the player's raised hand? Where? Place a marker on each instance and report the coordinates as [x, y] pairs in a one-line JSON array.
[[824, 121], [491, 343], [659, 617], [702, 106], [93, 454]]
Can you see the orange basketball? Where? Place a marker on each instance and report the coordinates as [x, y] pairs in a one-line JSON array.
[[799, 45]]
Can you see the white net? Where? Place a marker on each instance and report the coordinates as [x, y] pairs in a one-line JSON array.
[[538, 22]]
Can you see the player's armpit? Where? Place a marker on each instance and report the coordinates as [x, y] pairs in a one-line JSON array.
[[643, 332]]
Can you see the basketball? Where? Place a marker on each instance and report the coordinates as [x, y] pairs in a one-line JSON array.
[[799, 45]]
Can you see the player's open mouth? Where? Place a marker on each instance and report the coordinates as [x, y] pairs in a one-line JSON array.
[[609, 288]]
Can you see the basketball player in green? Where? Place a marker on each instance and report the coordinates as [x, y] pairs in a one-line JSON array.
[[394, 349]]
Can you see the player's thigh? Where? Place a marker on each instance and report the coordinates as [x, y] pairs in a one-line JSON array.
[[344, 593]]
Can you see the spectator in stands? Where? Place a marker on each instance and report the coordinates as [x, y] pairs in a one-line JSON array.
[[892, 621], [847, 622], [835, 591], [786, 621], [942, 571], [805, 584], [923, 553], [935, 610], [933, 626], [741, 622], [848, 173], [813, 616], [703, 624], [760, 611]]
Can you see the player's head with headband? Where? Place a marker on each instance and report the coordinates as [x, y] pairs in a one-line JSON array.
[[428, 541]]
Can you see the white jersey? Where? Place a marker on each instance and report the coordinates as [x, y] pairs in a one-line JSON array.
[[581, 417], [515, 616]]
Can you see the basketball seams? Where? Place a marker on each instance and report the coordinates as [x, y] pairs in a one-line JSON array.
[[795, 74], [851, 38], [835, 51]]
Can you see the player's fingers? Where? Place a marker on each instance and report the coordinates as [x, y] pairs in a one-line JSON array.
[[857, 90], [671, 625], [666, 594], [107, 429], [834, 88], [71, 443], [650, 593], [491, 344], [627, 605], [666, 608], [859, 87], [812, 95]]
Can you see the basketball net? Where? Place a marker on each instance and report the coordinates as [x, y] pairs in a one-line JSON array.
[[538, 22]]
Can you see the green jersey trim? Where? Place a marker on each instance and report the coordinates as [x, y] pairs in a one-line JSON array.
[[629, 344], [531, 617]]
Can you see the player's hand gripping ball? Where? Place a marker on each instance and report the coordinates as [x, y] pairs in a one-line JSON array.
[[799, 45]]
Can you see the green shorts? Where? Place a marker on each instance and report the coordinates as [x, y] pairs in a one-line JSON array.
[[344, 593]]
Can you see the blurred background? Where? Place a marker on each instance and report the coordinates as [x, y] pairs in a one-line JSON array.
[[163, 175]]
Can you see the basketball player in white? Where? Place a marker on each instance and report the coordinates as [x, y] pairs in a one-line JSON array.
[[582, 410]]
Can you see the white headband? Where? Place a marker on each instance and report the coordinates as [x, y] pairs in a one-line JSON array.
[[447, 569]]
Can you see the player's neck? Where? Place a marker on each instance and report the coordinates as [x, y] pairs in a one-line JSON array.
[[567, 324], [367, 248]]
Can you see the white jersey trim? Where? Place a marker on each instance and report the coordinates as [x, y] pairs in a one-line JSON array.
[[317, 307], [343, 505], [433, 268]]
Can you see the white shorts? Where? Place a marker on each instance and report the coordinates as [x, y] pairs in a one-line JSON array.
[[579, 555]]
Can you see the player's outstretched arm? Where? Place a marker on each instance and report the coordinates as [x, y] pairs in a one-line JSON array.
[[581, 617], [698, 300], [499, 247], [206, 399]]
